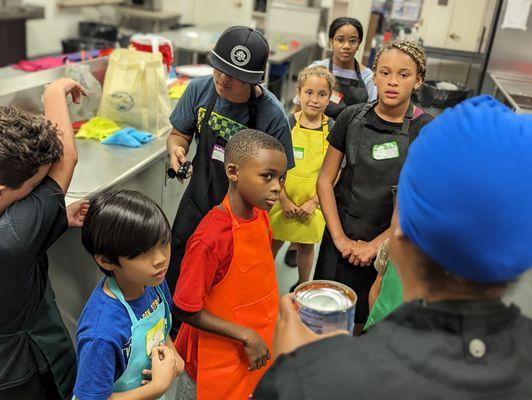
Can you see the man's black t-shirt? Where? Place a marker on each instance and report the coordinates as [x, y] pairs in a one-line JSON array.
[[27, 229]]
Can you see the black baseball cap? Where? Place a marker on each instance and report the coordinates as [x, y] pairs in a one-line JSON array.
[[241, 53]]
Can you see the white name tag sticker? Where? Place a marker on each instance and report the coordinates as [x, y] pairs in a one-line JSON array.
[[218, 153], [155, 336], [299, 152], [385, 151], [336, 97]]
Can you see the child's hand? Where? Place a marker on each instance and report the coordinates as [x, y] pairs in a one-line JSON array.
[[366, 252], [76, 213], [256, 350], [178, 156], [68, 86], [307, 209], [179, 367], [290, 210], [347, 247], [163, 368]]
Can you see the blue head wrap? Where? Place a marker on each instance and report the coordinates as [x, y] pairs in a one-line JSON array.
[[465, 191]]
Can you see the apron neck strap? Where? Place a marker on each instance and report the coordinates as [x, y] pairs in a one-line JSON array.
[[407, 119], [366, 108], [115, 289], [252, 108], [226, 205], [210, 106], [357, 69], [324, 120]]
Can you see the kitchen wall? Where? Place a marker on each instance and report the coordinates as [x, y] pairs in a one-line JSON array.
[[43, 37]]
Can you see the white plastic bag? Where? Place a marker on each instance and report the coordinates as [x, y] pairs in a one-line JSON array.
[[89, 104], [135, 93]]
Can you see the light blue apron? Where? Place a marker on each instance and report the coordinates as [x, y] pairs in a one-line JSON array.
[[146, 333]]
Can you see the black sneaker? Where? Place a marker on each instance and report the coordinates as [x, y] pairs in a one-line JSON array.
[[290, 258]]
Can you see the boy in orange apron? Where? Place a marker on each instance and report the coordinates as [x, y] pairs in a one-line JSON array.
[[227, 293]]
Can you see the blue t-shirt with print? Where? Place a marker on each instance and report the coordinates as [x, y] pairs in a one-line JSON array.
[[229, 118], [104, 337]]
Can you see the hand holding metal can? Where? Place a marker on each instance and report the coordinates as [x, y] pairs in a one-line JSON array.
[[326, 306]]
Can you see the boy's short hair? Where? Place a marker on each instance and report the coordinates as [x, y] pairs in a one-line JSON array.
[[27, 142], [246, 143], [123, 223]]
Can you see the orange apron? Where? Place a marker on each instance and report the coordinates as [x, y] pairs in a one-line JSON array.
[[248, 295]]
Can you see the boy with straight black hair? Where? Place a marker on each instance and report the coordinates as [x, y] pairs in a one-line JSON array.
[[227, 293], [37, 159], [123, 330]]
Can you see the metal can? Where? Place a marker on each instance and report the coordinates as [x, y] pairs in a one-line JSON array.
[[326, 306]]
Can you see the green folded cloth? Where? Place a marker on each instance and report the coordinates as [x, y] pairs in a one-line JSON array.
[[390, 296]]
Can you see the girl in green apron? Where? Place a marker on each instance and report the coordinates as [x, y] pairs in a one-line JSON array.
[[297, 217]]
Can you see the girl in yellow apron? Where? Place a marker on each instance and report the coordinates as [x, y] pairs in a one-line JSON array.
[[297, 217]]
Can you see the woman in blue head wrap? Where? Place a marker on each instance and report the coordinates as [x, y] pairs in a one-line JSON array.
[[460, 235]]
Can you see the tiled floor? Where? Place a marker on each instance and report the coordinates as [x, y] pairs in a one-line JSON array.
[[287, 276]]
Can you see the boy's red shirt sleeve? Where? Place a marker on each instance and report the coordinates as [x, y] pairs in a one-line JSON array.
[[207, 258], [198, 270]]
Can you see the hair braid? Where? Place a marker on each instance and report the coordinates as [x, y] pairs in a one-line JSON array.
[[412, 49]]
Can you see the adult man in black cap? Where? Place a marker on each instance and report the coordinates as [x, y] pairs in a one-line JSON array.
[[214, 109]]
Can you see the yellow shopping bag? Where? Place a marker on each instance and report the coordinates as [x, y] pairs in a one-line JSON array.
[[135, 93]]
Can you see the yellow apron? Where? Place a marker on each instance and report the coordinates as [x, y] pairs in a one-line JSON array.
[[309, 150]]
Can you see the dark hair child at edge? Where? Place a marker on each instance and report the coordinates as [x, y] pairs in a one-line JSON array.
[[37, 160], [226, 294]]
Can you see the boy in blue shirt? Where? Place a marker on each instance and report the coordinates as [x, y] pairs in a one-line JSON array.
[[122, 335]]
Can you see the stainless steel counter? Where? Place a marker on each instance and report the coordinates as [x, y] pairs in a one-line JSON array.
[[516, 90], [101, 167], [21, 13]]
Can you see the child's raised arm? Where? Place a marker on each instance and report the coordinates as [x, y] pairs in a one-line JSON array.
[[56, 111]]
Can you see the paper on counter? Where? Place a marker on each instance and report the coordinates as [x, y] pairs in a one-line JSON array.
[[194, 71], [516, 15]]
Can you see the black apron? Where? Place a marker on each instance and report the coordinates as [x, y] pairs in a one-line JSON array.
[[41, 344], [352, 91], [206, 189], [365, 199]]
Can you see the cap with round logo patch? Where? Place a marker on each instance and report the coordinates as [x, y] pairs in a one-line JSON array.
[[241, 53]]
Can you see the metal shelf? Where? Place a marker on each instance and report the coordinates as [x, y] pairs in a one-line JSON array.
[[81, 3]]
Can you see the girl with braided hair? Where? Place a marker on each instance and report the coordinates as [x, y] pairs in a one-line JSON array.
[[374, 139]]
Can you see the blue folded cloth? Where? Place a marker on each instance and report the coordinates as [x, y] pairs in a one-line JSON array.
[[129, 137]]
